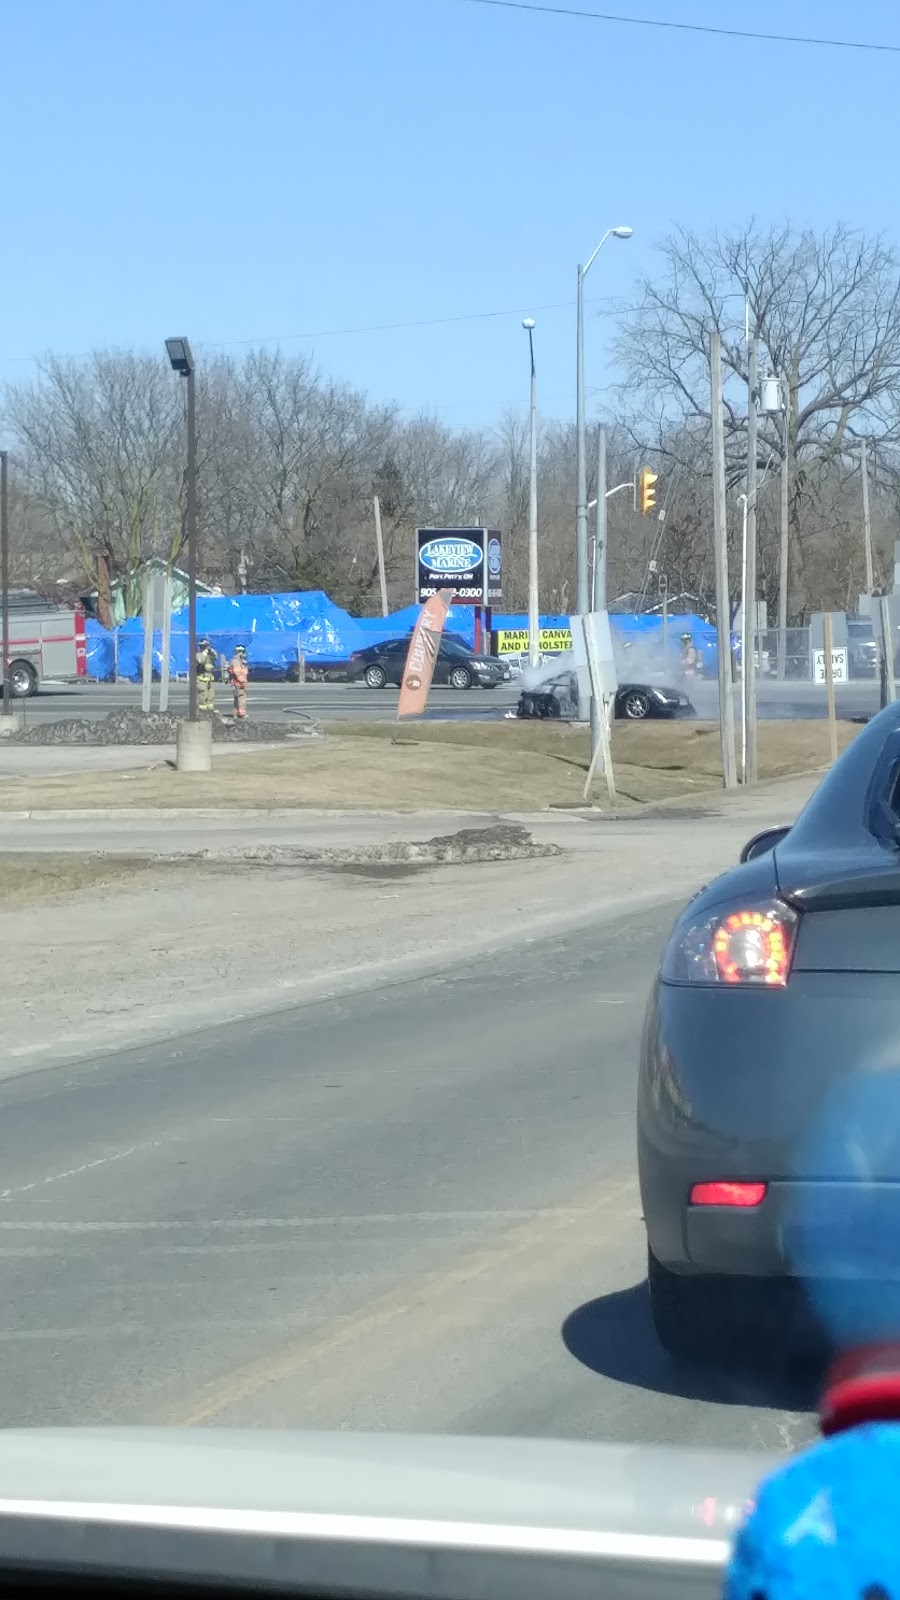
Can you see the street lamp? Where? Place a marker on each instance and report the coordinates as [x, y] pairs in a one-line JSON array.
[[534, 621], [179, 353], [582, 600]]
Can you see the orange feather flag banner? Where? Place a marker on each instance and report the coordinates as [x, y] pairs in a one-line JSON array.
[[423, 649]]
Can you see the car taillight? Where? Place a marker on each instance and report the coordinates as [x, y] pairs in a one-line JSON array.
[[742, 1195], [752, 944]]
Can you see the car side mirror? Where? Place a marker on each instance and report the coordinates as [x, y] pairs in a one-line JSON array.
[[762, 843]]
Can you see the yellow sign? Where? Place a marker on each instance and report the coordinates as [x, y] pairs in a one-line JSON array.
[[551, 641]]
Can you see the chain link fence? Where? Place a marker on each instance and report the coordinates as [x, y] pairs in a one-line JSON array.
[[784, 653]]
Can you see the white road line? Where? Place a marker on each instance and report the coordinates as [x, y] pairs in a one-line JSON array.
[[239, 1224], [86, 1166]]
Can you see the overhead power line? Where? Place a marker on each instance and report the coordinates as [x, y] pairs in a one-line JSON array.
[[688, 27], [340, 333]]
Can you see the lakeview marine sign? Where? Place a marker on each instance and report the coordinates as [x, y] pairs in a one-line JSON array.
[[467, 560]]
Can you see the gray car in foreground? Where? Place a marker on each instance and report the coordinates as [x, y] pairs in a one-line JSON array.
[[778, 997], [374, 1516]]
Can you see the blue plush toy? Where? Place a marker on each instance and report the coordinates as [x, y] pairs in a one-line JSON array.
[[827, 1523]]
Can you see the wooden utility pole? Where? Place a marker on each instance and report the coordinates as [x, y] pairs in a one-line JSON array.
[[720, 536], [379, 547]]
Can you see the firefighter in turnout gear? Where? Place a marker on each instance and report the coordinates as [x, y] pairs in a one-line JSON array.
[[690, 656], [206, 677], [238, 672]]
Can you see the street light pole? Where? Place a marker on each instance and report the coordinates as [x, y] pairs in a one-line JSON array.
[[182, 362], [582, 597], [598, 597], [581, 547], [192, 544], [534, 619], [194, 737]]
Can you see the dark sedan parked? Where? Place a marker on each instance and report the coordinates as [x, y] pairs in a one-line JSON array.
[[776, 1008], [381, 664], [558, 697]]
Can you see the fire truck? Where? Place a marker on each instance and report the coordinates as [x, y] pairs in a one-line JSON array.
[[45, 641]]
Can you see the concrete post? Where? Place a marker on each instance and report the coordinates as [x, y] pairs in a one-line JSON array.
[[194, 746]]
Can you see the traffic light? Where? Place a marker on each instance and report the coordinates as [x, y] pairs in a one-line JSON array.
[[646, 490]]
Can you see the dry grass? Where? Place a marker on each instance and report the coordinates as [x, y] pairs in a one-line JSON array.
[[506, 766], [29, 877]]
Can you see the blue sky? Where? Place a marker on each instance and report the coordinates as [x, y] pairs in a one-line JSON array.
[[255, 170]]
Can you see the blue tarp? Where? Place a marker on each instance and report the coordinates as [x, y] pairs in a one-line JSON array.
[[100, 651], [276, 628]]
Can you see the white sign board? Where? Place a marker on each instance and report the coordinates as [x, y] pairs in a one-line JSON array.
[[839, 669], [592, 648]]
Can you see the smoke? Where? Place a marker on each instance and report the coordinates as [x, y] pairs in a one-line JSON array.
[[536, 677], [639, 659]]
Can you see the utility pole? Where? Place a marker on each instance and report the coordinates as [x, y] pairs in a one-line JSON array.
[[379, 552], [867, 520], [581, 541], [720, 535], [748, 598], [534, 617], [600, 539], [598, 709], [582, 596], [783, 555]]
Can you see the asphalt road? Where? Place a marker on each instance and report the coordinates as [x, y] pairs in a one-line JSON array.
[[410, 1209], [282, 701], [274, 702]]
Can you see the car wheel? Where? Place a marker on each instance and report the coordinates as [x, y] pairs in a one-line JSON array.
[[23, 680], [635, 705], [722, 1319], [375, 676], [460, 678]]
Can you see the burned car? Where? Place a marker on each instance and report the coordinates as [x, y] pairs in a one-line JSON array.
[[558, 697]]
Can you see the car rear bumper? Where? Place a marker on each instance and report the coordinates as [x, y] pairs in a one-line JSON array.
[[796, 1223], [732, 1084]]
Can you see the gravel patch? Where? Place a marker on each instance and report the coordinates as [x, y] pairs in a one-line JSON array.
[[157, 727], [503, 841]]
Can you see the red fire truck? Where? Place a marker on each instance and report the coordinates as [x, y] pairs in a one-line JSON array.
[[45, 641]]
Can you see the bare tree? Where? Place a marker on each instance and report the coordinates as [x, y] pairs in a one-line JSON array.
[[97, 443], [826, 311], [313, 450]]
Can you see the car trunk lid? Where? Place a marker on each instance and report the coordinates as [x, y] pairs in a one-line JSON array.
[[850, 908]]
